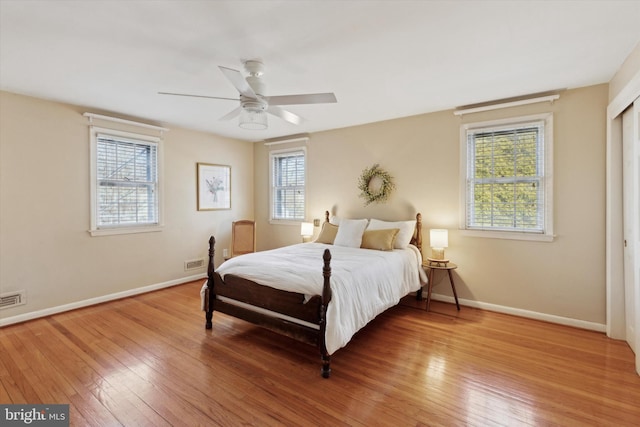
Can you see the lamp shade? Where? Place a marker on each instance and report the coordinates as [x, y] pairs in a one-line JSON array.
[[306, 229], [439, 238]]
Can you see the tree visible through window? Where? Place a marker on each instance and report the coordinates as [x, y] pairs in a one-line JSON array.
[[288, 185], [506, 178]]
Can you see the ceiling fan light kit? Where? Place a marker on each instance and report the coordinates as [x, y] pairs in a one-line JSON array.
[[254, 105], [253, 119]]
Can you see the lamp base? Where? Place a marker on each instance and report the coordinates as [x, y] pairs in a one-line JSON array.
[[437, 253], [437, 257], [437, 261]]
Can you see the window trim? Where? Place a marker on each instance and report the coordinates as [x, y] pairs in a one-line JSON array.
[[548, 234], [273, 154], [94, 230]]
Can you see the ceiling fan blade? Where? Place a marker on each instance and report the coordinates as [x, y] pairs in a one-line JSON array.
[[232, 114], [308, 98], [197, 96], [240, 83], [285, 115]]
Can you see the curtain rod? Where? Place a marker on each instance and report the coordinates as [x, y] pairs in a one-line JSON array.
[[463, 111], [92, 116], [286, 139]]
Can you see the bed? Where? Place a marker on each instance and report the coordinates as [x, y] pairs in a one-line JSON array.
[[320, 293]]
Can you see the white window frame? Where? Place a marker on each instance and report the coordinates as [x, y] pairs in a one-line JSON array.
[[95, 229], [281, 153], [547, 234]]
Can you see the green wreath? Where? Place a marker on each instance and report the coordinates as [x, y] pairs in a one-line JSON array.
[[379, 194]]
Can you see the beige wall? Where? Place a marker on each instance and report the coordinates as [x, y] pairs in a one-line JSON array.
[[564, 278], [44, 209]]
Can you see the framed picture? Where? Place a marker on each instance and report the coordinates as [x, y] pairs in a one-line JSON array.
[[214, 187]]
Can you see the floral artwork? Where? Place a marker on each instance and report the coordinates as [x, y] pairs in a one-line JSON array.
[[214, 187]]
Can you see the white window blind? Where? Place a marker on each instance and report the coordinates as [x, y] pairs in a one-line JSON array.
[[506, 178], [126, 181], [288, 185]]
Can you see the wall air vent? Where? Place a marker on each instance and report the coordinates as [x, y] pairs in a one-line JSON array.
[[194, 264], [12, 299]]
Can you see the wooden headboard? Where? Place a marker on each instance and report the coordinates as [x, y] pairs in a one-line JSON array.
[[416, 240]]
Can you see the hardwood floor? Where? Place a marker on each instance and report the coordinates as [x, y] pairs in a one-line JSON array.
[[148, 361]]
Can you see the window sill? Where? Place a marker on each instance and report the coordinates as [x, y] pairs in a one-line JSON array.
[[285, 222], [125, 230], [509, 235]]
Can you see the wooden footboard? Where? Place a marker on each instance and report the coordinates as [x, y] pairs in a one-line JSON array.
[[280, 311]]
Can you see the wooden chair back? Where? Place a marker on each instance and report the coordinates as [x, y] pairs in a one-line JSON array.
[[243, 237]]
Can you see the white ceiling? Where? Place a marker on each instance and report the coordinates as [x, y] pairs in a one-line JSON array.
[[382, 59]]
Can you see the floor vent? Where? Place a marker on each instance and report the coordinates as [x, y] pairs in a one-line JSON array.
[[194, 264], [12, 299]]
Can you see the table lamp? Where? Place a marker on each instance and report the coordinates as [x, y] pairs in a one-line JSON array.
[[439, 239], [306, 230]]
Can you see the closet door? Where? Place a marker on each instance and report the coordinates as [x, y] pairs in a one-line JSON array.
[[631, 212]]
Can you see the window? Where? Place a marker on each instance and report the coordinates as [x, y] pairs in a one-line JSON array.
[[288, 177], [508, 180], [125, 182]]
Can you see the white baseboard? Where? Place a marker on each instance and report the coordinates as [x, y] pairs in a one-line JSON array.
[[97, 300], [567, 321]]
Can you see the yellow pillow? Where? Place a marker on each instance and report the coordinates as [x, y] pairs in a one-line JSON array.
[[382, 240], [327, 233]]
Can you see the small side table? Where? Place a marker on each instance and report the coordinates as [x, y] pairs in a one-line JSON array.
[[431, 267]]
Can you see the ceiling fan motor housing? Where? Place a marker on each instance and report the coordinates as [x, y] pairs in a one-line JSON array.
[[257, 84], [253, 104]]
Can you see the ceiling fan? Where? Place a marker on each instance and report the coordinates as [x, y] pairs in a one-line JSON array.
[[254, 104]]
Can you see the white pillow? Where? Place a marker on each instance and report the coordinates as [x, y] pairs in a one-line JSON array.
[[335, 220], [404, 235], [350, 232]]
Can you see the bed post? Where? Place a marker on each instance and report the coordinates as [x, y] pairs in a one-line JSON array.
[[210, 296], [326, 216], [419, 232], [326, 297]]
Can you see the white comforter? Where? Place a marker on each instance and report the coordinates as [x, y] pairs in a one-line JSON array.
[[364, 282]]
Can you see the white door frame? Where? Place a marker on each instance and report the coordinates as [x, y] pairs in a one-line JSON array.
[[614, 235]]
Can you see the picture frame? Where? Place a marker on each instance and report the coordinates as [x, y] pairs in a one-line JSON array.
[[213, 186]]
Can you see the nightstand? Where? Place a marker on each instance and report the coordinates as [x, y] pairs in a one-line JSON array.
[[431, 267]]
